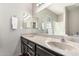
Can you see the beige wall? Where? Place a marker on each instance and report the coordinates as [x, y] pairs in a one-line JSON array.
[[73, 21], [10, 39], [67, 21]]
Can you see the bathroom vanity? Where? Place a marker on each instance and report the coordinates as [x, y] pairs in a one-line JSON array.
[[30, 48], [42, 45]]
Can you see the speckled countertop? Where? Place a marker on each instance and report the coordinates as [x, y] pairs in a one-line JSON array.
[[42, 40]]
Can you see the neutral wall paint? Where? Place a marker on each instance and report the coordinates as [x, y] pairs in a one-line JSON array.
[[10, 39], [73, 20], [67, 21]]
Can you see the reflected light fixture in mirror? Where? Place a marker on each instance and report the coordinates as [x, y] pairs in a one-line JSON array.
[[39, 4]]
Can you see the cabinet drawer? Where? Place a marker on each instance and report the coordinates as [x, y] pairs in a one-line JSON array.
[[31, 45], [25, 49], [30, 52], [42, 52], [24, 41]]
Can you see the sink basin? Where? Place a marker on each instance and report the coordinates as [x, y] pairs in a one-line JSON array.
[[74, 40], [61, 45]]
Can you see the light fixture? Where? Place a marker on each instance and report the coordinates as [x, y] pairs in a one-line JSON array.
[[39, 4]]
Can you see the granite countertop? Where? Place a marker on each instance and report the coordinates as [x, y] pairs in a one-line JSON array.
[[41, 40]]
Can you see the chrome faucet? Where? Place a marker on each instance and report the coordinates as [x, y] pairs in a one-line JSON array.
[[62, 40]]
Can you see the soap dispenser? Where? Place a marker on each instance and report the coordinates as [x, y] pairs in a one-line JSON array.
[[14, 22]]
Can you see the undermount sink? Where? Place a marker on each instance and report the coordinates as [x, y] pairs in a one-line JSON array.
[[74, 40], [61, 45]]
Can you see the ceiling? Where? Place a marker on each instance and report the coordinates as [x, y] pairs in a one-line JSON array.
[[59, 8], [38, 8]]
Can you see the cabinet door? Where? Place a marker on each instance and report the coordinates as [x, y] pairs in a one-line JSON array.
[[25, 49], [23, 46], [30, 52], [24, 41], [42, 52], [31, 45]]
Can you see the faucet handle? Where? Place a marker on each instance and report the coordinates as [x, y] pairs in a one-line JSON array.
[[62, 40]]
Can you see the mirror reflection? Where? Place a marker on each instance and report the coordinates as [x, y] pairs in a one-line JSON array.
[[55, 19]]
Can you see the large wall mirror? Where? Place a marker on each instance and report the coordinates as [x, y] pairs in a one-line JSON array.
[[52, 22]]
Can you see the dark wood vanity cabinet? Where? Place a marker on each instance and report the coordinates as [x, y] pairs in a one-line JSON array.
[[29, 48], [42, 52]]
